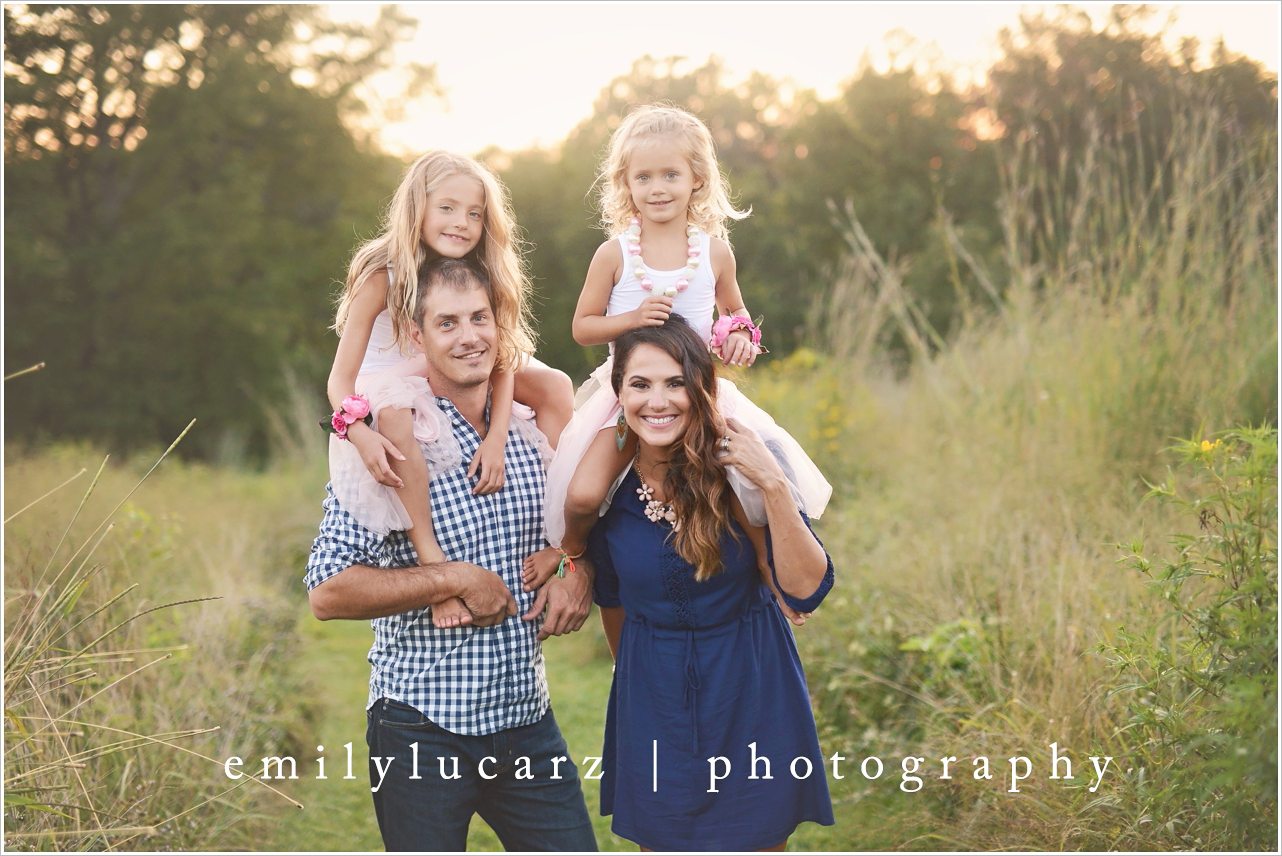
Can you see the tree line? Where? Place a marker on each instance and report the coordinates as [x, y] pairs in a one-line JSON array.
[[184, 186]]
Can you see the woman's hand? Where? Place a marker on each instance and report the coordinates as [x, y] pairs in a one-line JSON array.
[[742, 448], [374, 450], [488, 460], [738, 350]]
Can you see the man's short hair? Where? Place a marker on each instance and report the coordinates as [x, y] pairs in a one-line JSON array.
[[451, 273]]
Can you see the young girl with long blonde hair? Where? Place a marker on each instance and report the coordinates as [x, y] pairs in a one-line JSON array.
[[386, 420], [665, 207]]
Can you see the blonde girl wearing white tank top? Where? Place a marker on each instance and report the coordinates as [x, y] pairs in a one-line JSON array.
[[665, 206]]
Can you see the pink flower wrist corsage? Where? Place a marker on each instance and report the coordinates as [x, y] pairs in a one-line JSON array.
[[727, 324], [355, 409]]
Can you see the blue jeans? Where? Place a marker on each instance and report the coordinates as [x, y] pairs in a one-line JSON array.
[[511, 779]]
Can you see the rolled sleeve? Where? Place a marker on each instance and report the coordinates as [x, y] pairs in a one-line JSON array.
[[342, 543], [803, 604]]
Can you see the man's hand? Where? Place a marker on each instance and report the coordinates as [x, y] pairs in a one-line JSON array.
[[483, 593], [568, 601]]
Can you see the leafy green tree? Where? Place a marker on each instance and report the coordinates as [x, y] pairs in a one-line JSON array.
[[895, 149], [182, 192], [1063, 91], [181, 208]]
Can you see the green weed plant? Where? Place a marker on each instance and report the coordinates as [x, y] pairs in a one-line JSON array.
[[1200, 684], [983, 481]]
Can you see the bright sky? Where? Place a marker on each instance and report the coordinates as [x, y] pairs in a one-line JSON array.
[[519, 75]]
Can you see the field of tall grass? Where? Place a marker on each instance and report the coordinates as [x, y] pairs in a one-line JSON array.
[[999, 502], [150, 630], [1059, 525]]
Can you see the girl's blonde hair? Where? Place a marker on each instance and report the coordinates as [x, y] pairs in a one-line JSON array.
[[399, 248], [709, 204]]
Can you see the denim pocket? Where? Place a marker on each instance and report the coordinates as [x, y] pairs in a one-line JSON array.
[[395, 714]]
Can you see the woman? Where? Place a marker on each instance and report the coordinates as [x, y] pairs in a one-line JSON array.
[[710, 742]]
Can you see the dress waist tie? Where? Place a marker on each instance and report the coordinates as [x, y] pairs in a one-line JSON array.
[[691, 676], [692, 690]]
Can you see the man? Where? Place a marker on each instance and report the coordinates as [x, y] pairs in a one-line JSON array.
[[470, 704]]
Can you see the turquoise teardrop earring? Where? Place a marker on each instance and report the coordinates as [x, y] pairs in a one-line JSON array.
[[620, 432]]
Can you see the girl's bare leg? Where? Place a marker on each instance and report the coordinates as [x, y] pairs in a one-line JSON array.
[[551, 395], [601, 465], [397, 425]]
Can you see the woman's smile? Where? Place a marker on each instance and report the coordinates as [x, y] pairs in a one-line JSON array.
[[654, 397]]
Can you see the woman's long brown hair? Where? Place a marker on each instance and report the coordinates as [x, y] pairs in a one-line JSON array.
[[695, 484]]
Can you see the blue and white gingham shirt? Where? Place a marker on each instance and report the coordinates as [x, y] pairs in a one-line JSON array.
[[468, 680]]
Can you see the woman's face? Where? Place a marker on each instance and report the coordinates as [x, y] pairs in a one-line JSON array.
[[656, 403]]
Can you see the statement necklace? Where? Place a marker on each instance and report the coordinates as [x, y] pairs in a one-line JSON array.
[[655, 510], [693, 251]]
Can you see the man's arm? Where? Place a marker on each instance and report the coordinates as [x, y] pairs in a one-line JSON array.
[[363, 592], [344, 579]]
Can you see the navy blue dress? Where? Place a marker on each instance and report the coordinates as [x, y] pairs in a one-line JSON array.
[[704, 670]]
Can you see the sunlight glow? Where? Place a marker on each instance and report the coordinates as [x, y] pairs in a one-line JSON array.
[[521, 75]]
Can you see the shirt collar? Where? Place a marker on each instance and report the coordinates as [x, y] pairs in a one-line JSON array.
[[456, 417]]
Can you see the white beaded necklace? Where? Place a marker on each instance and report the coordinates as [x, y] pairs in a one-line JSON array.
[[655, 510], [642, 274]]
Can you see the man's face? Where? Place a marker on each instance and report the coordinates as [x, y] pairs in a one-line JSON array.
[[458, 337]]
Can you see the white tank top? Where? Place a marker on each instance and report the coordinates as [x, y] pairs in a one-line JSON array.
[[381, 353], [696, 304]]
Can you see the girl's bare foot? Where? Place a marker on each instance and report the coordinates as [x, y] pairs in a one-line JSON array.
[[539, 567], [450, 613]]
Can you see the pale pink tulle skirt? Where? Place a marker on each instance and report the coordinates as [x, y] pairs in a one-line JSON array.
[[376, 506], [596, 408]]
